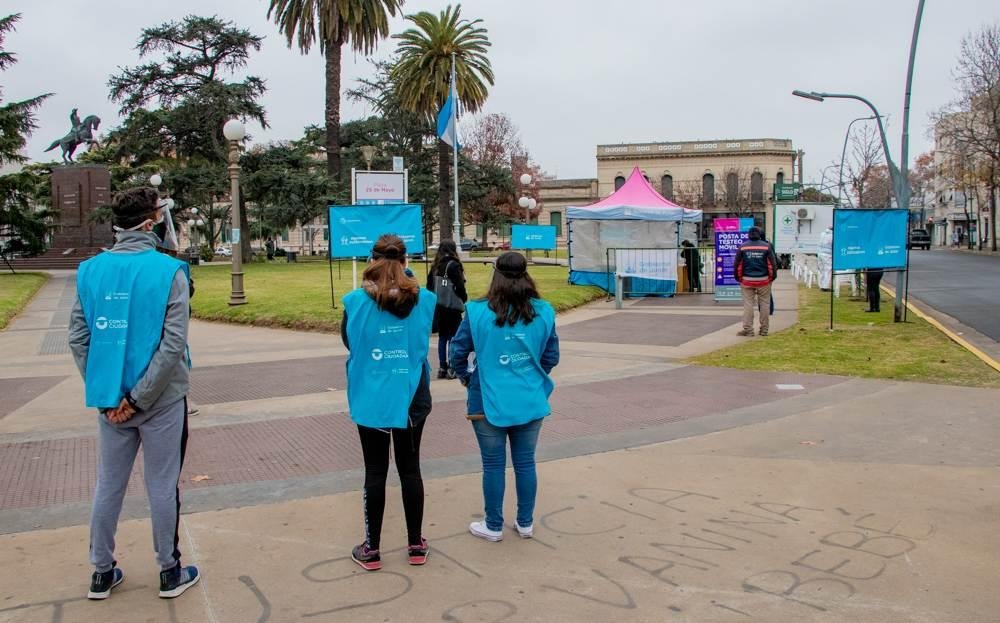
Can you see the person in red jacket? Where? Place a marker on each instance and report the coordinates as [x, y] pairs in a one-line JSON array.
[[756, 267]]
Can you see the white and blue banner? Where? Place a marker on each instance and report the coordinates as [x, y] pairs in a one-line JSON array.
[[869, 239], [533, 237], [354, 229]]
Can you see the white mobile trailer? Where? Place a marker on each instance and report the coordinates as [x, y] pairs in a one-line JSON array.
[[797, 226]]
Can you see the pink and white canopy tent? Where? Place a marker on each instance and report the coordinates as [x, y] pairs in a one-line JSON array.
[[633, 217]]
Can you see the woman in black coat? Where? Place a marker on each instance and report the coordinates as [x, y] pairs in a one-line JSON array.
[[446, 321]]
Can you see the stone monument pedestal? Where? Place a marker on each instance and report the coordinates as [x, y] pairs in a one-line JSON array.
[[77, 190]]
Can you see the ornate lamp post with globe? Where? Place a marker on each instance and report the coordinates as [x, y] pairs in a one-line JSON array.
[[234, 133], [528, 203]]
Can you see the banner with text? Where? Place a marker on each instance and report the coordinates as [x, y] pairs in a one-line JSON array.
[[730, 235], [869, 239], [354, 229], [533, 237], [647, 263]]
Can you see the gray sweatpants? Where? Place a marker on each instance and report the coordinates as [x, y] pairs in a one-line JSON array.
[[163, 435]]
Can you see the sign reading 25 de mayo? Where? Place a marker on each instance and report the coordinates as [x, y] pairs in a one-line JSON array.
[[354, 229], [379, 187], [869, 239], [533, 237]]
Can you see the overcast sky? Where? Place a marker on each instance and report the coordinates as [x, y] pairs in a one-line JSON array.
[[571, 75]]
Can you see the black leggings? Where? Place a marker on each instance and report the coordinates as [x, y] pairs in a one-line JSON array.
[[375, 447]]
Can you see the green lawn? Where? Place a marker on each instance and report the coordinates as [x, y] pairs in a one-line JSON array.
[[16, 291], [861, 344], [298, 295]]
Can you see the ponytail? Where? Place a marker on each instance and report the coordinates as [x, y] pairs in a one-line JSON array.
[[385, 278]]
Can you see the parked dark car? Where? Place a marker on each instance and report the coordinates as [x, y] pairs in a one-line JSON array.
[[919, 238], [469, 244]]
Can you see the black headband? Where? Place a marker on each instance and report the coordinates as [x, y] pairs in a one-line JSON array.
[[512, 274], [391, 254]]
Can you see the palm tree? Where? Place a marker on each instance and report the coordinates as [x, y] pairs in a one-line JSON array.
[[423, 71], [358, 22]]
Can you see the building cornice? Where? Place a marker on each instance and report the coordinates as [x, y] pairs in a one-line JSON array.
[[692, 149]]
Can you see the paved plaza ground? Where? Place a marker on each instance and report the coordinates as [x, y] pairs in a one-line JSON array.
[[667, 491]]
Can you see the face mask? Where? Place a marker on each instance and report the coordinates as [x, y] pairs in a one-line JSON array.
[[158, 220]]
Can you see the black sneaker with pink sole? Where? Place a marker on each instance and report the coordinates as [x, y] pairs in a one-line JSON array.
[[369, 559], [417, 554]]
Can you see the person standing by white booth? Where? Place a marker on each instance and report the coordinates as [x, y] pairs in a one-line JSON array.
[[824, 259]]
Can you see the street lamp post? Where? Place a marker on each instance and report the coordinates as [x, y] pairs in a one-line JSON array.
[[234, 132], [528, 203], [368, 153], [900, 181]]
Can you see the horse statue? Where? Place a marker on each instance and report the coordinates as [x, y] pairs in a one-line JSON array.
[[82, 133]]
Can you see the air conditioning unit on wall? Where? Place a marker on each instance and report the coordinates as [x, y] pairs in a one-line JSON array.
[[805, 214]]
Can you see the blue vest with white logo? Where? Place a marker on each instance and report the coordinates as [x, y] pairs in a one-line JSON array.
[[124, 300], [388, 355], [515, 388]]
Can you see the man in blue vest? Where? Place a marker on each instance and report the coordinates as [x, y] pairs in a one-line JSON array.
[[756, 267], [128, 335]]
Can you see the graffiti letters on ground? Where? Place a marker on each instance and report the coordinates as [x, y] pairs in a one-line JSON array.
[[677, 551]]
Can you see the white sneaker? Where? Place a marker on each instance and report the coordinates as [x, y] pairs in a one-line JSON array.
[[526, 532], [478, 528]]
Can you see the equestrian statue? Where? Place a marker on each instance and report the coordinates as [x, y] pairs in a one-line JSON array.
[[82, 133]]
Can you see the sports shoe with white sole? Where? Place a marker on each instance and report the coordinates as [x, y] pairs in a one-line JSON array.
[[102, 583], [525, 532], [478, 528], [174, 581]]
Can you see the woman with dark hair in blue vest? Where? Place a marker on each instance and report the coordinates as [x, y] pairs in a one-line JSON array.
[[513, 333], [387, 327]]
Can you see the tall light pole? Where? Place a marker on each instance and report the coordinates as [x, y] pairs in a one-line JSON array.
[[234, 133], [528, 203], [900, 176]]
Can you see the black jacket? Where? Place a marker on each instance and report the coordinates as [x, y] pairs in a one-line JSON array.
[[756, 264], [446, 321]]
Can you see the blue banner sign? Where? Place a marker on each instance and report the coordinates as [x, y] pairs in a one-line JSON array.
[[354, 229], [869, 239], [533, 237]]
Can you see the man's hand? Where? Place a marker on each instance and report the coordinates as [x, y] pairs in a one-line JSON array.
[[121, 414]]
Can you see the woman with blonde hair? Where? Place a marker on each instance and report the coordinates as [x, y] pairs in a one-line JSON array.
[[386, 327]]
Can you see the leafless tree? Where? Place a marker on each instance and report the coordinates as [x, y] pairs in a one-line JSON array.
[[971, 123], [865, 169]]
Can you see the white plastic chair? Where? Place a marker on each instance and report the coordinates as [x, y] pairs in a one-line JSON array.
[[811, 272], [842, 279]]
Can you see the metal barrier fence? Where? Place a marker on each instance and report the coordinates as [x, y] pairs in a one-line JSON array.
[[688, 282]]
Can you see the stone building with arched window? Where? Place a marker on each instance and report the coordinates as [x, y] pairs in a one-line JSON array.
[[724, 178]]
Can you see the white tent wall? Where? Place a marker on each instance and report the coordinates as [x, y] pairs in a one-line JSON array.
[[590, 239]]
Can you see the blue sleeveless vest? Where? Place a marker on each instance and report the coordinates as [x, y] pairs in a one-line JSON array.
[[388, 355], [515, 388], [124, 300]]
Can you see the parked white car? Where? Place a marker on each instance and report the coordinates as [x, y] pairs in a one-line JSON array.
[[223, 251]]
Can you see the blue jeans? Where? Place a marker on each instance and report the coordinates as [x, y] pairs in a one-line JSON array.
[[493, 447]]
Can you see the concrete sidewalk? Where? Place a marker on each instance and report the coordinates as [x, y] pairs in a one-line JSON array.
[[838, 510]]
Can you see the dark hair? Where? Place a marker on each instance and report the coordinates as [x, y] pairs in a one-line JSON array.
[[755, 233], [511, 290], [447, 252], [135, 205], [390, 286]]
